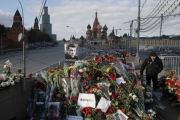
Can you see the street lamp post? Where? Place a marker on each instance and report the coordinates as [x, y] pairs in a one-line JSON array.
[[138, 32], [1, 44], [74, 31], [24, 52], [116, 34]]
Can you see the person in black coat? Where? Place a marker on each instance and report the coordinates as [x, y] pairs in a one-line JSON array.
[[153, 66]]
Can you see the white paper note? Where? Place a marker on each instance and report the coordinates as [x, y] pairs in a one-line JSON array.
[[120, 80], [86, 100], [103, 104]]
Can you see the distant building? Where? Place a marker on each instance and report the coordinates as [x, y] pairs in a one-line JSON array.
[[46, 26], [36, 26], [16, 29], [150, 42], [97, 35]]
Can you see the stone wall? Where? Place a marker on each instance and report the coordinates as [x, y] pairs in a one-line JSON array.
[[14, 101]]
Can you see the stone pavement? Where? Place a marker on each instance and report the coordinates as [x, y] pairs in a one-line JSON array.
[[169, 113]]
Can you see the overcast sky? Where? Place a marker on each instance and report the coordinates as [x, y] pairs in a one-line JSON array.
[[79, 13]]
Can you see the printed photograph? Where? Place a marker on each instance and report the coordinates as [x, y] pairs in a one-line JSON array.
[[53, 111], [71, 52]]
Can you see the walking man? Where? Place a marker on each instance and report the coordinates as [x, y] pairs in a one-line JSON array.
[[153, 66]]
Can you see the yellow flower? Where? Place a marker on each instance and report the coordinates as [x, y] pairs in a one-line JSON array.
[[71, 67], [108, 69], [143, 88]]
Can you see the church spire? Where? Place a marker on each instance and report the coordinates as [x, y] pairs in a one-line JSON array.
[[96, 22]]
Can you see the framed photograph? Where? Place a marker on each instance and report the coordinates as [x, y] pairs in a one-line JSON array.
[[71, 52], [53, 111]]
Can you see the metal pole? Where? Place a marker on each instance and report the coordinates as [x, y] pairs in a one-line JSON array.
[[138, 34], [24, 52], [161, 24], [1, 45]]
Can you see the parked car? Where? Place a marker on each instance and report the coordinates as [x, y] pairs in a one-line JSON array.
[[163, 56]]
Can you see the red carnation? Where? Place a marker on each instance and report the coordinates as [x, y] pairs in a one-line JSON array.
[[19, 71], [93, 69], [85, 82], [113, 78], [30, 75], [102, 58], [96, 58], [106, 56], [119, 85], [98, 63], [89, 77], [75, 98]]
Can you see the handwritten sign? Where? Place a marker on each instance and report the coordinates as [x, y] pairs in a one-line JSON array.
[[120, 80], [86, 100], [103, 104], [69, 117]]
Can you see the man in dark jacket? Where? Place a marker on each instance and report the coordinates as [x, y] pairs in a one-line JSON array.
[[153, 66]]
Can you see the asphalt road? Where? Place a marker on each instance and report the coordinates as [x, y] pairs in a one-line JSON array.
[[36, 59]]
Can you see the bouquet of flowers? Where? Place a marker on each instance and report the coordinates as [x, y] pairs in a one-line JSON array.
[[7, 78], [173, 86]]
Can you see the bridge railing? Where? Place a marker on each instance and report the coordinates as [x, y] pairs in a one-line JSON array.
[[171, 63]]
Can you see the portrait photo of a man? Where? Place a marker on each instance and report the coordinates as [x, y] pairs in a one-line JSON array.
[[53, 111], [71, 52]]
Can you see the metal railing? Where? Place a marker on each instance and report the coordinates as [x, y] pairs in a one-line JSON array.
[[171, 63]]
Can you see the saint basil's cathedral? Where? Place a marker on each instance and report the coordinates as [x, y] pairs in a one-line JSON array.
[[98, 34]]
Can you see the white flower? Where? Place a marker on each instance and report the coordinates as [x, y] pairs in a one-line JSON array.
[[12, 83], [3, 76], [150, 111], [8, 64], [17, 79], [3, 84], [130, 94], [7, 83], [5, 66], [80, 70], [135, 98], [84, 68], [11, 79]]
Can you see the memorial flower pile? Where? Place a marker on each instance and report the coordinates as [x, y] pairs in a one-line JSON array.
[[95, 89], [173, 85], [7, 78]]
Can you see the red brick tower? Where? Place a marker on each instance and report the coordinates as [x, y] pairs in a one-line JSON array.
[[16, 29]]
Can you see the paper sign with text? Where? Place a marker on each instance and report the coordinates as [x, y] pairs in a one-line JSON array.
[[120, 115], [69, 117], [120, 80], [103, 104], [86, 100]]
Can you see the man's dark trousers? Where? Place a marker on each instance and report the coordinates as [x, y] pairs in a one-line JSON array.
[[154, 79]]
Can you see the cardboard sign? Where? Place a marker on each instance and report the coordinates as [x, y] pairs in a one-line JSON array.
[[120, 80], [69, 117], [103, 104], [86, 100], [120, 115]]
